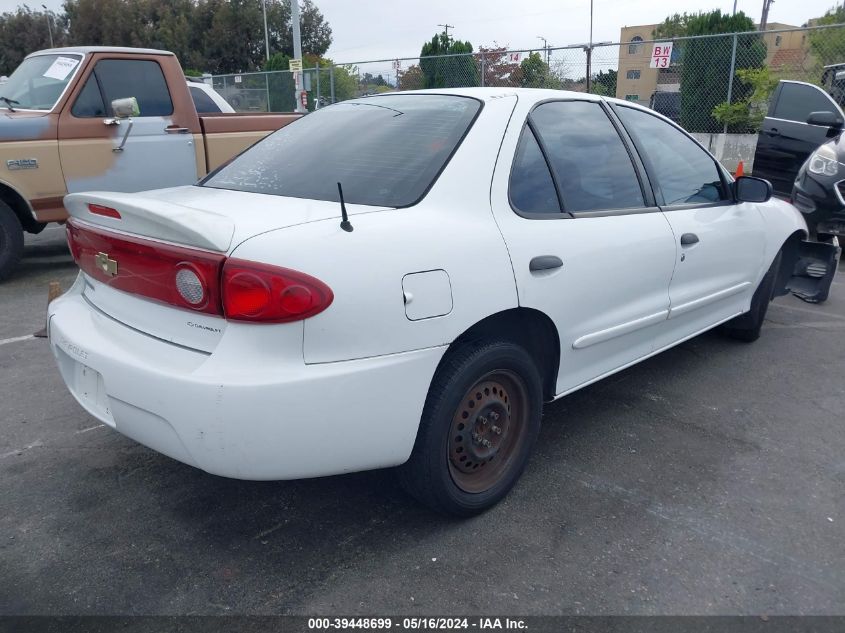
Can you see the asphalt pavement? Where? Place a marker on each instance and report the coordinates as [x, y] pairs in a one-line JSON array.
[[707, 480]]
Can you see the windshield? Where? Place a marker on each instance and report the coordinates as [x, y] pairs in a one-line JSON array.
[[385, 151], [39, 82]]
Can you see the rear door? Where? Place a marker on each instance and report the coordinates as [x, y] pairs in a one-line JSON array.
[[588, 246], [159, 147], [786, 140], [720, 244]]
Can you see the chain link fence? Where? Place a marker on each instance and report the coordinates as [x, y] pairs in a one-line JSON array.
[[709, 84]]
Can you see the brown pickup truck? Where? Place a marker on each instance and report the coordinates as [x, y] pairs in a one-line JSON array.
[[105, 119]]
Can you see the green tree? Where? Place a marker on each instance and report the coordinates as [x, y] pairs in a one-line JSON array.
[[828, 45], [705, 63], [534, 71], [604, 83], [24, 31], [746, 115], [448, 72]]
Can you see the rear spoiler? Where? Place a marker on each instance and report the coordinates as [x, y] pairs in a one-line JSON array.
[[154, 218]]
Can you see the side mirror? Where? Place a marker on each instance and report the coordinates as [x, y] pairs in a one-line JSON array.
[[825, 118], [750, 189], [125, 108]]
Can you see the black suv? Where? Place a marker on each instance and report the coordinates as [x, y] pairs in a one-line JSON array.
[[801, 151]]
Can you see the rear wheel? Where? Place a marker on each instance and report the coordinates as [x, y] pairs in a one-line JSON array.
[[480, 421], [11, 240], [746, 327]]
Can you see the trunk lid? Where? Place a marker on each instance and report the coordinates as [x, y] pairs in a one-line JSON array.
[[204, 220]]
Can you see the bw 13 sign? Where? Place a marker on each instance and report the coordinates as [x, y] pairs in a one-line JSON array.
[[661, 55]]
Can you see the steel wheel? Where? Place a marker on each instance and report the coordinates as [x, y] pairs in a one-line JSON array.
[[488, 429]]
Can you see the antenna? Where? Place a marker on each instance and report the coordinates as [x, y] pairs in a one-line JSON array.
[[344, 223]]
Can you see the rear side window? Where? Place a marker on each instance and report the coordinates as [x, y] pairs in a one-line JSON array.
[[142, 79], [202, 101], [385, 151], [797, 101], [532, 189], [591, 164], [685, 173]]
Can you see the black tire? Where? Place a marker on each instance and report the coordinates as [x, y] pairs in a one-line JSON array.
[[433, 474], [11, 241], [746, 327]]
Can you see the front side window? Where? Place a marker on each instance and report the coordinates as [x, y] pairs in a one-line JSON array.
[[685, 173], [385, 151], [39, 81], [532, 189], [142, 79], [797, 101], [89, 103], [591, 164]]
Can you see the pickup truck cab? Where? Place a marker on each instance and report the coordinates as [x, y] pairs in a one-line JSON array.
[[62, 131]]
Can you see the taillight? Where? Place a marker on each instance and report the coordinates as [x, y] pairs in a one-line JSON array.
[[184, 277], [271, 294], [194, 279]]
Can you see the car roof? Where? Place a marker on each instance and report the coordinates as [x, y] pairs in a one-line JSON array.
[[84, 50], [529, 94]]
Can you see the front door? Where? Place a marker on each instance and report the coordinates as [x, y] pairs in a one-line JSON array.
[[720, 244], [588, 247], [159, 148], [786, 140]]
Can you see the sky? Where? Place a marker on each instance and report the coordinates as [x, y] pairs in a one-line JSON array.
[[381, 29]]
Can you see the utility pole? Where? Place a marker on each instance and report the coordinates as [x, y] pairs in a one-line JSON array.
[[764, 18], [297, 54], [446, 28], [49, 25], [590, 50], [266, 32], [545, 47]]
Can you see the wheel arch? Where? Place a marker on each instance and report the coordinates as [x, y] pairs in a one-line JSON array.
[[20, 207], [791, 251], [527, 327]]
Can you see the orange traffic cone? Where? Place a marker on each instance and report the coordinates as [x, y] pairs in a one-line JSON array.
[[739, 170]]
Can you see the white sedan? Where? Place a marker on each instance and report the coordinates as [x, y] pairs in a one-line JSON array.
[[503, 248]]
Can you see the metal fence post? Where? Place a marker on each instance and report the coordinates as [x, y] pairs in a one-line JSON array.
[[331, 82], [267, 90], [483, 66], [731, 76], [317, 100]]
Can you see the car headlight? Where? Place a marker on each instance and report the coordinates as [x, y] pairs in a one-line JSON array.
[[823, 162]]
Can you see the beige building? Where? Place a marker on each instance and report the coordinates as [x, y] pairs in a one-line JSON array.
[[788, 53]]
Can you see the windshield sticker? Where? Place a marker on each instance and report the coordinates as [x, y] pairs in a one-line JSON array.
[[61, 68]]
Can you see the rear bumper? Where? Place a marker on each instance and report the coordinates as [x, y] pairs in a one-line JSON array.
[[241, 411]]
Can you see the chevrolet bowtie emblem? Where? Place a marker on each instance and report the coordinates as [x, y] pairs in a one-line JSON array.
[[108, 266]]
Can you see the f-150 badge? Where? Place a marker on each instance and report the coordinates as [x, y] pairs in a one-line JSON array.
[[22, 163]]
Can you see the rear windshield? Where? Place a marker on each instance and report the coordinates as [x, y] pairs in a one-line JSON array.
[[385, 151]]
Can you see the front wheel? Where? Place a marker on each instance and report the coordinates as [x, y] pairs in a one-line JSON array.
[[479, 424], [746, 327], [11, 241]]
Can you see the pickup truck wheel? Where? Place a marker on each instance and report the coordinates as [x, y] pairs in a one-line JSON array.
[[479, 424], [11, 241], [746, 327]]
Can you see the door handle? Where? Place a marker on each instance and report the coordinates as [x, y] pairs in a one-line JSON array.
[[773, 132], [544, 262], [175, 129], [688, 239]]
